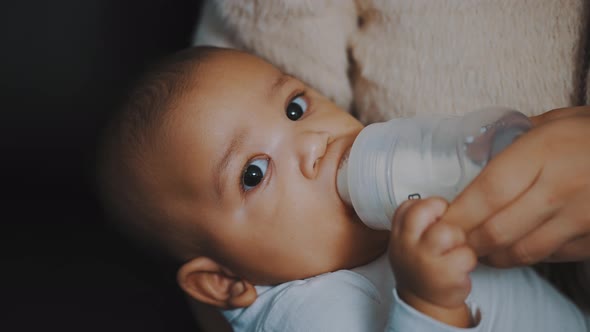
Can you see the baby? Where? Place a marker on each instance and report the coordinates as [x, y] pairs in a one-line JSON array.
[[229, 165]]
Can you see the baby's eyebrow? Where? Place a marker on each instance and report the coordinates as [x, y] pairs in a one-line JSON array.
[[280, 81], [222, 165]]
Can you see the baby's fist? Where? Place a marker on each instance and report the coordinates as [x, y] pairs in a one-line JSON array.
[[431, 260]]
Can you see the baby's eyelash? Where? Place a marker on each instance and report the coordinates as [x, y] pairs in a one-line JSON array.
[[301, 92]]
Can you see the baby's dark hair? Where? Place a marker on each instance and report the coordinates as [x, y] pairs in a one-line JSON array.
[[134, 131]]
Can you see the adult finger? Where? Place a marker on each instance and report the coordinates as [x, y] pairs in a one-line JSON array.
[[577, 213], [536, 246], [576, 250], [514, 221], [558, 114], [505, 178]]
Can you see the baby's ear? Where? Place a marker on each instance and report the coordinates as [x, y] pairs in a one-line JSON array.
[[209, 282]]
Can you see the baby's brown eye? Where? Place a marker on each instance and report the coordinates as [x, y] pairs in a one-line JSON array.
[[296, 108], [254, 174]]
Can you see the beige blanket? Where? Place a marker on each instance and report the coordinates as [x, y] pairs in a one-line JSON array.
[[389, 58]]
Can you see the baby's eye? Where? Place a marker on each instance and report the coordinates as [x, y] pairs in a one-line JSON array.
[[254, 173], [296, 108]]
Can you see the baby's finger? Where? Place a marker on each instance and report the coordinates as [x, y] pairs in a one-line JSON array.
[[453, 273], [419, 216], [399, 217], [461, 260], [440, 238]]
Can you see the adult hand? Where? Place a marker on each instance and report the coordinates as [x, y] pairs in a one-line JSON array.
[[532, 201]]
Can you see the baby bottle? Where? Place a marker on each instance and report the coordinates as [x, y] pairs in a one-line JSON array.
[[418, 157]]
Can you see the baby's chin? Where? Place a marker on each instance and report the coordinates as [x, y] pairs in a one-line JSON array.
[[356, 220], [377, 240]]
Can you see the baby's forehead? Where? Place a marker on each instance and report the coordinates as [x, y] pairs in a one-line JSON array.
[[230, 90], [230, 82], [231, 94], [237, 70]]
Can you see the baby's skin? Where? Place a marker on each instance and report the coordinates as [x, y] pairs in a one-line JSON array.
[[431, 261], [238, 179]]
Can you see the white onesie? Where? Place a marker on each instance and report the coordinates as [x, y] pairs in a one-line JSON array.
[[364, 299]]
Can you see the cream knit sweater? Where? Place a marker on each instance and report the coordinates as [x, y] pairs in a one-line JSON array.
[[390, 58]]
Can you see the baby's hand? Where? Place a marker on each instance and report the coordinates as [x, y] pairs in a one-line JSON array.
[[431, 260]]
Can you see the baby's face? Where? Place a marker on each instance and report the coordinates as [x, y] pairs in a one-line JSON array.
[[256, 154]]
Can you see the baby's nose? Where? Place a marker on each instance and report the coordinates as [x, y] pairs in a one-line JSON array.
[[312, 147]]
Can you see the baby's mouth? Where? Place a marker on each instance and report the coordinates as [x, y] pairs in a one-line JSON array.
[[342, 179], [344, 158]]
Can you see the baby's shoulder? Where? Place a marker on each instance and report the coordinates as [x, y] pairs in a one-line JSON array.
[[339, 301], [341, 284]]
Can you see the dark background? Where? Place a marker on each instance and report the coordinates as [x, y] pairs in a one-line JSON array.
[[64, 68]]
